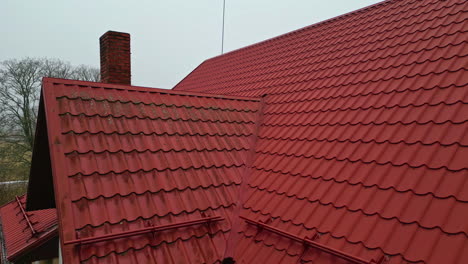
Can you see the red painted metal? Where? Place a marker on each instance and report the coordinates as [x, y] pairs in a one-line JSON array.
[[242, 194], [89, 240], [125, 156], [275, 230], [338, 253], [308, 242], [25, 215], [18, 241], [363, 138], [28, 246], [364, 135]]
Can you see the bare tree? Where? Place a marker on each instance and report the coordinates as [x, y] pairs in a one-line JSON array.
[[19, 94], [55, 68], [20, 82], [86, 73]]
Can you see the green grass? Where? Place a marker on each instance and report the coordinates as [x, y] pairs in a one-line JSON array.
[[9, 191]]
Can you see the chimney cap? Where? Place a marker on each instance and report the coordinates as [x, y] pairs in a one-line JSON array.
[[112, 32], [115, 57]]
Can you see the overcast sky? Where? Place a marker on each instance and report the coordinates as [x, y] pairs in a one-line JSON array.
[[169, 38]]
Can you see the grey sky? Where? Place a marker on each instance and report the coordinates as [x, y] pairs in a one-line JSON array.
[[169, 38]]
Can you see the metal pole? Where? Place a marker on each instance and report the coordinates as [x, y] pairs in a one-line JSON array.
[[222, 36], [142, 231]]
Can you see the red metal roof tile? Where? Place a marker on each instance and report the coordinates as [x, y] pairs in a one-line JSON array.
[[359, 146], [126, 159], [23, 231], [363, 136]]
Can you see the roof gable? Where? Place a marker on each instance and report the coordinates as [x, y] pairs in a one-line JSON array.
[[125, 159], [40, 184]]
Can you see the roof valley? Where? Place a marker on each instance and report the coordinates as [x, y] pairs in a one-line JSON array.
[[234, 236]]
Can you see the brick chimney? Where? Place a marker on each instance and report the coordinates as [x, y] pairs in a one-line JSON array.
[[115, 57]]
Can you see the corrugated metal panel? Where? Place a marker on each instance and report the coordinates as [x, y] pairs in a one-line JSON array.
[[24, 231], [364, 134], [128, 158]]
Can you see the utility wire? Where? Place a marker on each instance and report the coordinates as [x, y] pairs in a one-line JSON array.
[[222, 34]]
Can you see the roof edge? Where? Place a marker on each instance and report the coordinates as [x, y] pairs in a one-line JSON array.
[[51, 233], [12, 201], [303, 28], [190, 73], [48, 80]]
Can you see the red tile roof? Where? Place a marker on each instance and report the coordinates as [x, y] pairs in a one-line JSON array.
[[23, 231], [356, 152], [129, 163], [364, 135]]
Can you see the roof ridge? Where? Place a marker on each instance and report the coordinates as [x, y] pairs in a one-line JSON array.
[[366, 8], [312, 44], [283, 35], [54, 81]]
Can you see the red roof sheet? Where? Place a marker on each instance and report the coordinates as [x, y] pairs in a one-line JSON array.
[[129, 159], [23, 231], [364, 135]]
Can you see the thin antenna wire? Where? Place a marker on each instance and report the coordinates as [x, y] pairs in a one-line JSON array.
[[222, 36]]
